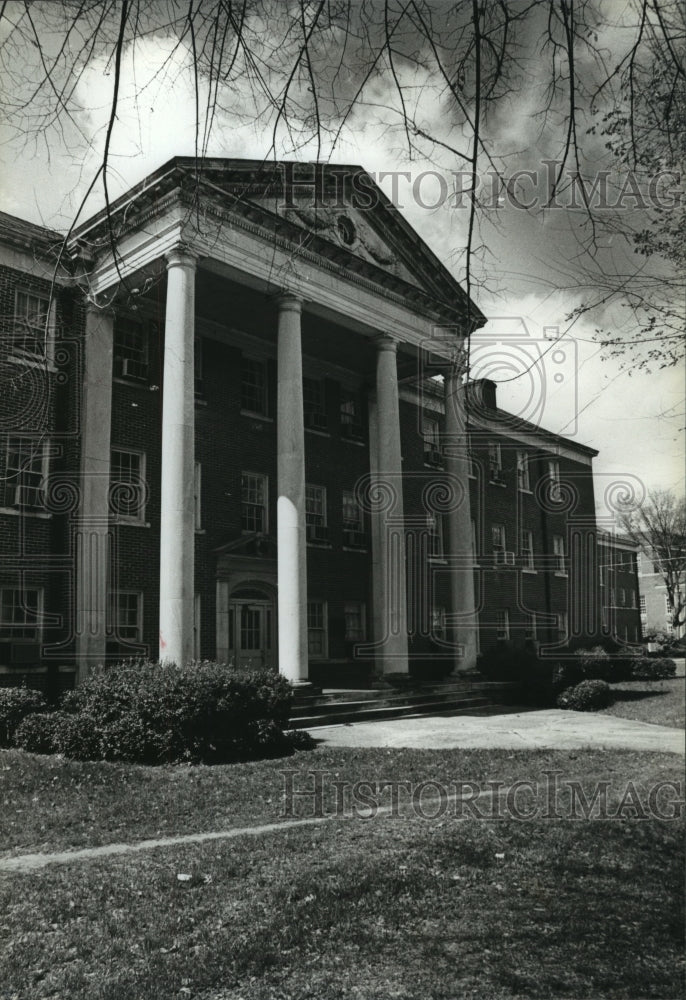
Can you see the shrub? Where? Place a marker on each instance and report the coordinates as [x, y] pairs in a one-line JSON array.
[[141, 711], [588, 696], [506, 662], [15, 705], [598, 664], [649, 669], [36, 732]]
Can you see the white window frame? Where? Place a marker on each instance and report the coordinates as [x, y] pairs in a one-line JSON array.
[[495, 463], [321, 630], [562, 625], [349, 502], [622, 597], [113, 610], [431, 436], [438, 624], [554, 478], [528, 551], [123, 353], [350, 415], [531, 627], [11, 629], [435, 528], [502, 623], [315, 506], [523, 477], [560, 555], [13, 475], [46, 330], [139, 516], [498, 546], [264, 506], [359, 609], [314, 405]]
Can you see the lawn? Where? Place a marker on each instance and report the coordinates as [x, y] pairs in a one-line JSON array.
[[391, 907], [659, 702]]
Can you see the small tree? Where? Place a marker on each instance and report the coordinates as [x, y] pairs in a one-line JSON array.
[[658, 526]]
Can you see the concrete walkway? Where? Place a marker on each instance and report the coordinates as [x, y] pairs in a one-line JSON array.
[[550, 728]]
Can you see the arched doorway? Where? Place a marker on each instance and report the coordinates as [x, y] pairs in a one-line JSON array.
[[252, 621]]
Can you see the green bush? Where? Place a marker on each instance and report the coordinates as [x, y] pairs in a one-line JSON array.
[[647, 668], [588, 696], [598, 664], [36, 732], [147, 712], [15, 704]]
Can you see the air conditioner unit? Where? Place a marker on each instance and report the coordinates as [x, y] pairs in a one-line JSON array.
[[317, 533], [316, 421], [502, 558], [354, 539], [137, 370]]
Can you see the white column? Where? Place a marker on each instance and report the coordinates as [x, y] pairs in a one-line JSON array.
[[92, 535], [290, 504], [388, 538], [177, 535], [456, 458]]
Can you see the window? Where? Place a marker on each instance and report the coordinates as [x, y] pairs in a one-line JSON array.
[[601, 576], [353, 519], [315, 513], [502, 624], [351, 415], [253, 503], [559, 553], [25, 470], [316, 629], [254, 387], [498, 537], [434, 523], [131, 348], [527, 549], [431, 432], [523, 482], [554, 478], [438, 623], [127, 485], [642, 606], [622, 596], [530, 630], [562, 626], [612, 597], [20, 613], [355, 626], [197, 500], [125, 615], [31, 317], [495, 464], [314, 404]]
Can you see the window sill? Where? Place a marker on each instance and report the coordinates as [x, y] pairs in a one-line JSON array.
[[360, 442], [317, 432], [529, 570], [439, 560], [496, 482], [124, 522], [319, 545], [522, 489], [350, 548], [257, 416], [31, 361], [561, 573], [137, 383], [43, 515]]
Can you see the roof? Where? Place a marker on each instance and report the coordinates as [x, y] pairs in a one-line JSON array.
[[27, 235]]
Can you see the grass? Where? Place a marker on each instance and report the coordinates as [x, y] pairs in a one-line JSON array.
[[365, 909], [659, 702]]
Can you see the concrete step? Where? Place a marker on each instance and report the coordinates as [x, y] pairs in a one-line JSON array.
[[390, 708]]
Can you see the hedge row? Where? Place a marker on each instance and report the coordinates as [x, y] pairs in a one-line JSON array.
[[147, 713]]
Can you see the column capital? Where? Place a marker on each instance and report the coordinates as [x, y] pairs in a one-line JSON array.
[[385, 342], [289, 302], [182, 255]]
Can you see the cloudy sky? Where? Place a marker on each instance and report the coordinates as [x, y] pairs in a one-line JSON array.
[[528, 278]]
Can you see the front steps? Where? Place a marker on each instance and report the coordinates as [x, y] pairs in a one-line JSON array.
[[338, 706]]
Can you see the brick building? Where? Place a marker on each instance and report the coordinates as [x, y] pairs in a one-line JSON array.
[[235, 426], [619, 587]]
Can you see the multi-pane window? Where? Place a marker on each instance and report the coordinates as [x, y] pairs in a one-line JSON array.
[[642, 606], [315, 506], [523, 481], [254, 386], [438, 622], [495, 463], [197, 496], [351, 415], [633, 598], [554, 478], [131, 348], [527, 549], [314, 404], [498, 537], [125, 615], [20, 613], [127, 484], [24, 473], [316, 629], [353, 519], [431, 432], [502, 624], [559, 553], [622, 596], [562, 625], [434, 523], [530, 628], [354, 614], [31, 317], [253, 503]]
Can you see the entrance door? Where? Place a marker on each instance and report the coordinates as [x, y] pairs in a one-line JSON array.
[[250, 629]]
